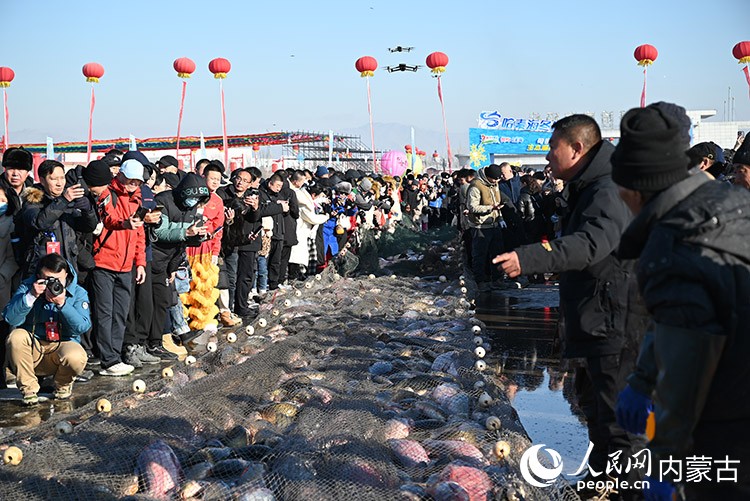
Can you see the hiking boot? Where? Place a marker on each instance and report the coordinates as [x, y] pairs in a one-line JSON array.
[[130, 356], [228, 320], [119, 369], [161, 353], [63, 392], [144, 356], [30, 399]]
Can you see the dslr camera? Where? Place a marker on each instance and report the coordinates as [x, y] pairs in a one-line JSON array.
[[54, 286]]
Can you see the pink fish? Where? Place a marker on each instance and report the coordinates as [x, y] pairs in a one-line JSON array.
[[159, 470], [474, 481], [409, 452]]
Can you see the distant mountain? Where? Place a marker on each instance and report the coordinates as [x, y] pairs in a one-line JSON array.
[[393, 136]]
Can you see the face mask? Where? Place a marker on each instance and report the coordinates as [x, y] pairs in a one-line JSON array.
[[3, 209], [191, 202]]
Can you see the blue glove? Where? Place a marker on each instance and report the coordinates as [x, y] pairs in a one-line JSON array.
[[658, 490], [632, 410]]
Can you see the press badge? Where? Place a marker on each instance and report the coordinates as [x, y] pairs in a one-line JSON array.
[[52, 329], [53, 247]]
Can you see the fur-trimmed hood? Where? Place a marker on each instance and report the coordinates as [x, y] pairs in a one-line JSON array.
[[33, 194]]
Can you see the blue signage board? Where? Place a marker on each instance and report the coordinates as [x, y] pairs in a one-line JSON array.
[[509, 142]]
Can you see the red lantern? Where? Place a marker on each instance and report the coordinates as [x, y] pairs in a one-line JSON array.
[[366, 66], [437, 61], [435, 155], [184, 67], [219, 67], [256, 147], [645, 54], [295, 148], [408, 148], [6, 76], [93, 72], [741, 52]]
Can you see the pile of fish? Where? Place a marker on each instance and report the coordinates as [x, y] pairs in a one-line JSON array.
[[343, 388]]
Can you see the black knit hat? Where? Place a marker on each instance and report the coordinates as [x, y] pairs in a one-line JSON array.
[[97, 173], [651, 153], [742, 155], [18, 158], [493, 171]]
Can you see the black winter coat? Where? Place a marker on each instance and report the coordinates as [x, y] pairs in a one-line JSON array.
[[694, 276], [44, 218], [291, 217], [594, 283]]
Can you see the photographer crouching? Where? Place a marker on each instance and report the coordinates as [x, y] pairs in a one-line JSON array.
[[48, 313]]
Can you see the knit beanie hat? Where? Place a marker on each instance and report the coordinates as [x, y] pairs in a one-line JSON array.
[[493, 171], [742, 156], [651, 154], [97, 173]]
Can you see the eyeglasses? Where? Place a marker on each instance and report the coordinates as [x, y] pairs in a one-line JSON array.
[[242, 180]]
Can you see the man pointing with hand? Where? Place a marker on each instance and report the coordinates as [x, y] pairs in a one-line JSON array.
[[594, 284]]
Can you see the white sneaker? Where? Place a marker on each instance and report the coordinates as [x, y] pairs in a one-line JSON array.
[[119, 369]]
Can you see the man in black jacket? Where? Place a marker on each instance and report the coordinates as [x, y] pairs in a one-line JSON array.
[[594, 284], [290, 229], [690, 236], [236, 228], [51, 216], [270, 200]]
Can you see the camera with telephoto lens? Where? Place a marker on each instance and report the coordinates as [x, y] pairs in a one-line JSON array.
[[54, 286]]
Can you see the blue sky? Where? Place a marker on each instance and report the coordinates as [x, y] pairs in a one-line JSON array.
[[293, 62]]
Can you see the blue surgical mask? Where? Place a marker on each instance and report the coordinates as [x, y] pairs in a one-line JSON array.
[[191, 202], [3, 208]]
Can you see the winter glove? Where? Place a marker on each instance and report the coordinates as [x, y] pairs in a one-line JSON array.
[[82, 204], [658, 490], [632, 410]]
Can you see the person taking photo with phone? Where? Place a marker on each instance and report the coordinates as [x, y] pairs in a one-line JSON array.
[[51, 216]]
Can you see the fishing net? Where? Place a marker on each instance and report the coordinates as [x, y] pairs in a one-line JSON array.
[[353, 389]]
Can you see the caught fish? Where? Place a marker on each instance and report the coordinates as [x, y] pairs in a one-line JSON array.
[[409, 452], [396, 428], [448, 491], [455, 449], [474, 481], [159, 470]]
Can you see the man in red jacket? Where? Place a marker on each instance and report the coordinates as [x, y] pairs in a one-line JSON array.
[[118, 250]]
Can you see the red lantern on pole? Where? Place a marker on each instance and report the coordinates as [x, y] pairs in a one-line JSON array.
[[645, 55], [184, 68], [435, 155], [93, 72], [256, 147], [6, 77], [437, 61], [741, 52], [366, 66], [220, 67]]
